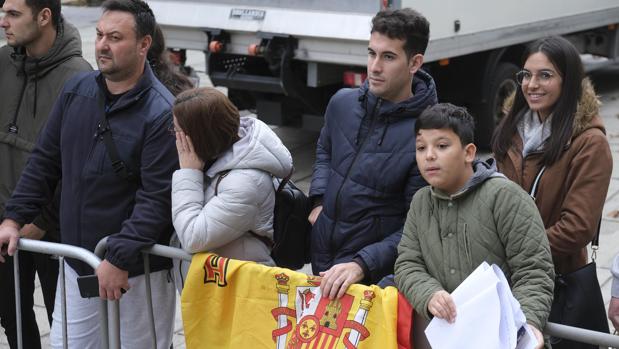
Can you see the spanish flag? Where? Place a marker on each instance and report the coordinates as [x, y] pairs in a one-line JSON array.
[[228, 303]]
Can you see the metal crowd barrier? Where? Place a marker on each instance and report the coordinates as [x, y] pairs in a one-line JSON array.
[[157, 250], [552, 329], [109, 339]]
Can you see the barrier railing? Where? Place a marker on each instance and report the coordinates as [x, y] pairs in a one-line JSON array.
[[551, 329], [108, 339], [156, 250]]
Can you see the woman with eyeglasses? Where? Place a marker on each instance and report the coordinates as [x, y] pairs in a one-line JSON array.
[[553, 123], [223, 195]]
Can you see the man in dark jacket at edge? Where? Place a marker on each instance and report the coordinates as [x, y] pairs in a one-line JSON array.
[[365, 173], [43, 52], [129, 203]]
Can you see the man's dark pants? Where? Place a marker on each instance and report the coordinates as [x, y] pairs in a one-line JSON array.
[[29, 264]]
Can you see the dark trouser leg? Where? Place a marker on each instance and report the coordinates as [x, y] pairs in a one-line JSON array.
[[30, 330], [47, 269]]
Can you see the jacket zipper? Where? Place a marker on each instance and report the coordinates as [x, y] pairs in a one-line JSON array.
[[352, 165], [13, 125], [467, 248]]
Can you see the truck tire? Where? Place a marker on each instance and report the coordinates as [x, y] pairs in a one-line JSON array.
[[497, 87]]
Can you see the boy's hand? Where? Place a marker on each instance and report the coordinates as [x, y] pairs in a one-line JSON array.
[[538, 335], [442, 306]]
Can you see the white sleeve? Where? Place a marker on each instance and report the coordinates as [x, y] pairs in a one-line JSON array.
[[204, 226]]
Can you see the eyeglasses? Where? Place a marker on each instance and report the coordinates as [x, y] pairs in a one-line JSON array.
[[172, 129], [543, 77]]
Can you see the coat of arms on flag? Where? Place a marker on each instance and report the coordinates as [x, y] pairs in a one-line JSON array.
[[236, 304]]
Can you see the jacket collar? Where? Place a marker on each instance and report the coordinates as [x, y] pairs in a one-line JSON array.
[[135, 93], [424, 95]]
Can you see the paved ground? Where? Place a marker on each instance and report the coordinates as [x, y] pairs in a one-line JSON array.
[[302, 145]]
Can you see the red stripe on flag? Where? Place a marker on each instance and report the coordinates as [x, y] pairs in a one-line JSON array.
[[316, 340], [405, 323], [332, 341]]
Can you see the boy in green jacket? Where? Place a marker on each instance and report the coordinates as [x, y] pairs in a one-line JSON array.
[[469, 214]]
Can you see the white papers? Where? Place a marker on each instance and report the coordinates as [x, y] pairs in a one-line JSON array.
[[488, 315]]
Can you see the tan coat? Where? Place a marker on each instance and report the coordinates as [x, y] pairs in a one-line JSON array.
[[572, 191]]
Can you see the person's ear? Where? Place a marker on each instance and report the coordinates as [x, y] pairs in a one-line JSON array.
[[470, 150], [144, 44], [415, 62], [44, 17]]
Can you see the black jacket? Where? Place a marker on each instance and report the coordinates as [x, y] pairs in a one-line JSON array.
[[365, 175], [95, 201]]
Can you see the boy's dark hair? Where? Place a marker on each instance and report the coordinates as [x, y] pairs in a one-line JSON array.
[[37, 5], [142, 14], [448, 116], [404, 24]]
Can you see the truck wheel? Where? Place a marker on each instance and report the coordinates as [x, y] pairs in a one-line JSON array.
[[498, 87]]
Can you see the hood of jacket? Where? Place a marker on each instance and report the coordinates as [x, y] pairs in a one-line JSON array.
[[258, 148], [482, 170], [587, 111], [68, 44], [424, 95]]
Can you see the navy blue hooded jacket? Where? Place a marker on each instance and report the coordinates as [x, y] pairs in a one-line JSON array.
[[95, 201], [365, 175]]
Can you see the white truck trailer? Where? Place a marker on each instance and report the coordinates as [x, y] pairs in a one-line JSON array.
[[285, 58]]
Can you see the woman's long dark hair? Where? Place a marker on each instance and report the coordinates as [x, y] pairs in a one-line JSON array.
[[566, 59], [158, 60]]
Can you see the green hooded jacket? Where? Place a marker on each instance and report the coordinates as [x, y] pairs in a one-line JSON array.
[[491, 219], [29, 89]]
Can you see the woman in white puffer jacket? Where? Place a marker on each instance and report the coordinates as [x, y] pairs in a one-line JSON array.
[[213, 142]]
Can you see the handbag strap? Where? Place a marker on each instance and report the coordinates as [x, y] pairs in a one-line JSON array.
[[268, 242], [595, 243], [535, 186]]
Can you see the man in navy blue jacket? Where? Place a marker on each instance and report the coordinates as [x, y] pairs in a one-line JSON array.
[[129, 204], [365, 173]]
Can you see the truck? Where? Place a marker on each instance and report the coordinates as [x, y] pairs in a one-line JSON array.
[[286, 58]]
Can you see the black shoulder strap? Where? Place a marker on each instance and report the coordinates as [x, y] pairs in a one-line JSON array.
[[284, 180], [221, 175], [104, 131], [264, 239]]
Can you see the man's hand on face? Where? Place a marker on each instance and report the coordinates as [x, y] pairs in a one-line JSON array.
[[9, 235], [336, 280], [113, 281], [31, 231]]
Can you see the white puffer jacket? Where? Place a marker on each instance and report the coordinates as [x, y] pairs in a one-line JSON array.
[[245, 197]]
